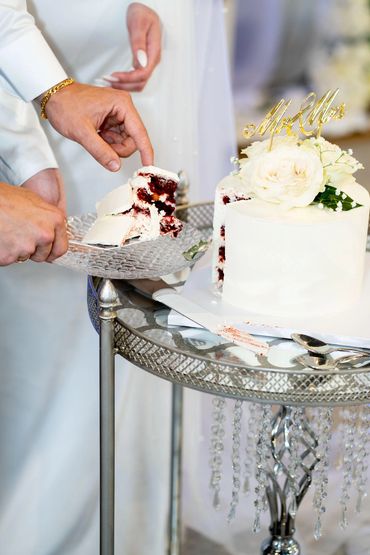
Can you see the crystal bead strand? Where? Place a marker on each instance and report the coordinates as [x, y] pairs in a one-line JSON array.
[[250, 447], [340, 434], [296, 418], [235, 458], [320, 475], [350, 417], [217, 448], [362, 456], [263, 436]]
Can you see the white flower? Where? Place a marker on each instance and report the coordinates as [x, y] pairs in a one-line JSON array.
[[338, 164], [260, 147], [288, 174]]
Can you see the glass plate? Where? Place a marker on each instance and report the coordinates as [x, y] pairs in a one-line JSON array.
[[134, 260]]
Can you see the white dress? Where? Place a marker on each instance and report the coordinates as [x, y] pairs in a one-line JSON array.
[[49, 371]]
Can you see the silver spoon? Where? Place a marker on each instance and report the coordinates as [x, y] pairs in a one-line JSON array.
[[316, 362], [319, 362], [315, 345]]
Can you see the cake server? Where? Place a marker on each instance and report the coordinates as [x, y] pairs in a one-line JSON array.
[[314, 345], [160, 291]]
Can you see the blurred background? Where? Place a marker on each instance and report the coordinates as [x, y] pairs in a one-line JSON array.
[[287, 48]]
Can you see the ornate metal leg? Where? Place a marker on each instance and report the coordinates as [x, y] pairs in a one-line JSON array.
[[294, 450], [174, 523], [108, 302]]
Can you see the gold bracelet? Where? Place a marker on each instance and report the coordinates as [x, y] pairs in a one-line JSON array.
[[52, 91]]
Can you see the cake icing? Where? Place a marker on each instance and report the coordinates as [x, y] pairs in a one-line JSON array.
[[281, 251], [142, 208]]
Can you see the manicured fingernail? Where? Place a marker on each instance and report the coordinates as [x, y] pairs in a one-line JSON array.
[[110, 78], [113, 166], [142, 58]]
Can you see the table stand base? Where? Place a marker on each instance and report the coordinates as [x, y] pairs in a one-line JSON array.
[[174, 520], [287, 474], [280, 546], [108, 301]]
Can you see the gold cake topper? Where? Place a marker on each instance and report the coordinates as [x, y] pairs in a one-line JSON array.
[[314, 113]]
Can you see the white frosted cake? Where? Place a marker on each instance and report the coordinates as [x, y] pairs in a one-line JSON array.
[[142, 208], [296, 244]]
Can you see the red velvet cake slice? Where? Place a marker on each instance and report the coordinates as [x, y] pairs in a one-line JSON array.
[[142, 208]]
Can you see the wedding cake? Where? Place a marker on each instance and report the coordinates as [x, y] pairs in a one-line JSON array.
[[290, 229], [142, 208]]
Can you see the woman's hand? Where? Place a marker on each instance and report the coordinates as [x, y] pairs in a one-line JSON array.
[[145, 34]]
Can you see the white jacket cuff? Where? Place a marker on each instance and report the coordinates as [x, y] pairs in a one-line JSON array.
[[30, 65], [24, 148]]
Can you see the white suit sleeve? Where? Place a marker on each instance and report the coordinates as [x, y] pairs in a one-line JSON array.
[[26, 60], [24, 148]]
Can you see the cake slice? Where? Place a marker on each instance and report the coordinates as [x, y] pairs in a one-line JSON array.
[[142, 208]]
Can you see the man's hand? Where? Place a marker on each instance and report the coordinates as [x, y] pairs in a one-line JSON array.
[[144, 29], [48, 184], [104, 121], [29, 227]]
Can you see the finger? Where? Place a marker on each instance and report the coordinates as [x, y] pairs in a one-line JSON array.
[[41, 253], [134, 128], [154, 48], [60, 244], [130, 87], [113, 137], [138, 39], [98, 148], [126, 148], [128, 76], [24, 255]]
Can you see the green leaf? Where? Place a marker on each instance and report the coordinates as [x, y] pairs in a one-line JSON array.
[[334, 199], [195, 250]]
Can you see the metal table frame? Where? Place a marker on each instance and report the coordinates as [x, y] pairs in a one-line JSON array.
[[262, 385], [108, 303], [116, 337]]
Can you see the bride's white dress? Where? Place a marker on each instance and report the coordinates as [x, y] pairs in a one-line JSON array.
[[49, 373]]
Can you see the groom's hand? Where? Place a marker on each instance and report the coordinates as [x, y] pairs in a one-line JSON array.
[[144, 28], [48, 184], [104, 121], [29, 227]]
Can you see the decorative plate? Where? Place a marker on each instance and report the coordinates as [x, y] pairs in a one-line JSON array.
[[134, 260]]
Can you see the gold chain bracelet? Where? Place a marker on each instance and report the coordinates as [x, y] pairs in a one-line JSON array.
[[52, 91]]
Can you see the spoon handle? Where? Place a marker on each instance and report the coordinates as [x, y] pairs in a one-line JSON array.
[[354, 361], [352, 350]]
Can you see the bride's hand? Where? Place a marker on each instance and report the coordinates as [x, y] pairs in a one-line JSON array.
[[144, 27]]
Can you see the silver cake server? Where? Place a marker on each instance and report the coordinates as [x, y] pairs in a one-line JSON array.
[[160, 291]]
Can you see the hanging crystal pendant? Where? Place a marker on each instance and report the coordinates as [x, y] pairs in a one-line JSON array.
[[235, 458], [324, 419], [250, 448], [217, 448], [350, 422]]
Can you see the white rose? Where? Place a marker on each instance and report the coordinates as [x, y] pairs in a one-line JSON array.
[[288, 175], [338, 164], [260, 147]]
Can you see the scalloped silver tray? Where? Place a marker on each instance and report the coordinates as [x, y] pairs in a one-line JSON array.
[[198, 359], [135, 260]]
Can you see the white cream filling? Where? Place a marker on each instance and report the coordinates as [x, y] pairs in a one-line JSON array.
[[110, 230], [157, 171], [115, 202]]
